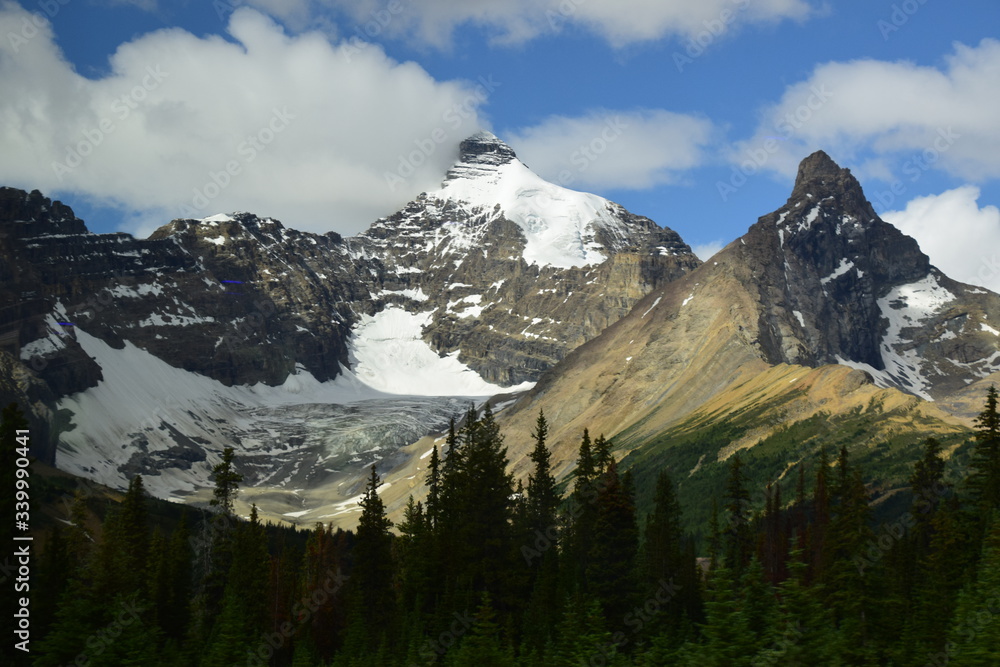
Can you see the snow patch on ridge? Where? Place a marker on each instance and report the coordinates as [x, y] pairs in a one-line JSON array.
[[905, 307], [845, 266]]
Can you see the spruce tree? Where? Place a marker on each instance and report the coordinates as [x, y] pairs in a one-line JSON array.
[[664, 557], [848, 586], [975, 632], [602, 453], [543, 499], [582, 515], [434, 487], [373, 598], [984, 476], [489, 510], [227, 483], [728, 641], [738, 534], [611, 567], [484, 645]]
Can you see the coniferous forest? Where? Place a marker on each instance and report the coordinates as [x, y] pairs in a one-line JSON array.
[[488, 571]]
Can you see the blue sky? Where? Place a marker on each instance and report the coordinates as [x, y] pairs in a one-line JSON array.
[[692, 113]]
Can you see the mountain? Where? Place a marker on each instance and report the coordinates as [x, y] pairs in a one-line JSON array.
[[516, 270], [312, 354], [742, 344]]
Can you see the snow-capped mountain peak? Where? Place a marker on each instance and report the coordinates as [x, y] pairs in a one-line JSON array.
[[560, 226]]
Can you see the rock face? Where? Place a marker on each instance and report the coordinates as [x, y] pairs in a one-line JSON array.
[[839, 285], [518, 271], [822, 280], [508, 271]]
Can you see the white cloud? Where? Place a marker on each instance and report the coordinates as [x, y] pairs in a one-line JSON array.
[[312, 128], [620, 22], [890, 116], [962, 239], [705, 251], [614, 149]]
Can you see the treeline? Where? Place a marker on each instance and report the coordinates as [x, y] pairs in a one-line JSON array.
[[487, 572]]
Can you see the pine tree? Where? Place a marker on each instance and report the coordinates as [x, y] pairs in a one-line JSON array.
[[227, 483], [483, 646], [133, 533], [602, 453], [984, 476], [434, 486], [586, 465], [611, 567], [975, 633], [929, 490], [817, 548], [543, 499], [728, 641], [173, 601], [664, 558], [848, 587], [804, 634], [582, 516], [583, 637], [774, 546], [416, 561], [540, 545], [738, 535], [242, 621], [373, 599], [489, 510]]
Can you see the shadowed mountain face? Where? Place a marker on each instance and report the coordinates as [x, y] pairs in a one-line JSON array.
[[497, 274], [151, 355], [821, 280]]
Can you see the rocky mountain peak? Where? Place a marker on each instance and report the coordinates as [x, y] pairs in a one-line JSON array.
[[33, 214], [823, 262], [819, 176], [485, 148]]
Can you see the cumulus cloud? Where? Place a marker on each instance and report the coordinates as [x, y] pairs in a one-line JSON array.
[[614, 149], [319, 135], [962, 239], [895, 118], [620, 22]]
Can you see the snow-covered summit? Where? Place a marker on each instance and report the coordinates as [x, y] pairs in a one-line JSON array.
[[560, 226]]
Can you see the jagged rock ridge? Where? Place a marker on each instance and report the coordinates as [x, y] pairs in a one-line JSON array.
[[246, 302]]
